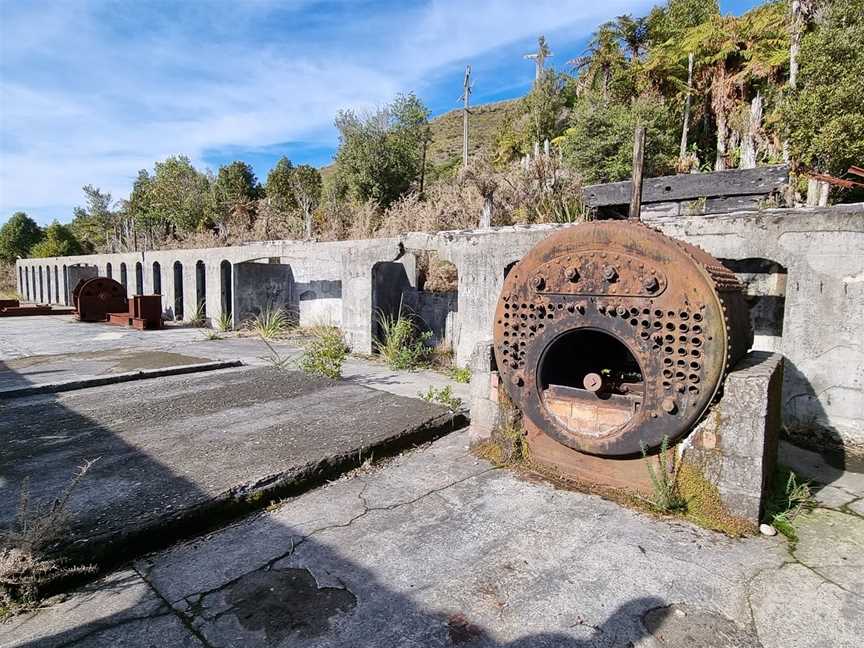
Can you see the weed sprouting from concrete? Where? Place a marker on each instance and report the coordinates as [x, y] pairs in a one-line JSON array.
[[26, 566], [443, 396], [198, 318], [225, 322], [666, 497], [508, 444], [403, 345], [325, 353], [787, 498], [460, 374], [272, 322]]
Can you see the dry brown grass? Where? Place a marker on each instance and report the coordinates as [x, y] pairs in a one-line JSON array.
[[8, 285], [26, 561]]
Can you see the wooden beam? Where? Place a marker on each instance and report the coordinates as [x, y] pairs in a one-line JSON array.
[[738, 182]]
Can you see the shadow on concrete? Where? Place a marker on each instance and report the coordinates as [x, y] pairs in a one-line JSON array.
[[288, 601]]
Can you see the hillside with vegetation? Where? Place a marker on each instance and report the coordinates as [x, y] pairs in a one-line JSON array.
[[782, 82]]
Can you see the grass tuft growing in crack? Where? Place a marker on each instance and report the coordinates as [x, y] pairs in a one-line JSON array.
[[666, 497], [27, 565], [787, 498]]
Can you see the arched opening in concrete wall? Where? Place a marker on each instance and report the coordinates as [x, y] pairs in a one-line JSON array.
[[108, 270], [437, 300], [139, 279], [157, 278], [47, 283], [178, 290], [123, 277], [56, 284], [263, 284], [225, 288], [425, 287], [41, 286], [21, 282], [34, 284], [66, 285], [200, 290], [765, 293]]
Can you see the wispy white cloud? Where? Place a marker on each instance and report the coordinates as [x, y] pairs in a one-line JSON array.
[[92, 92]]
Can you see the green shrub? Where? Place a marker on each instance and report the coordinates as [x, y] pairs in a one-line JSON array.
[[443, 396], [460, 374], [403, 345], [325, 353]]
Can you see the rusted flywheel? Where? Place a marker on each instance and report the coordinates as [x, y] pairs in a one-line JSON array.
[[96, 297], [610, 335]]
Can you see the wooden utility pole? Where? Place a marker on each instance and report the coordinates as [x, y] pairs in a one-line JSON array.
[[686, 126], [466, 96], [638, 163], [539, 57]]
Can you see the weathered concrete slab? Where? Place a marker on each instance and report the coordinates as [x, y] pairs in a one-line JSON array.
[[177, 453], [119, 610], [438, 548], [59, 334]]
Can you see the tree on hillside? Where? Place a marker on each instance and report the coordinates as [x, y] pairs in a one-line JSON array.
[[543, 106], [306, 186], [17, 237], [57, 241], [278, 186], [824, 113], [601, 60], [599, 143], [95, 224], [233, 193], [380, 154], [677, 16], [180, 193], [632, 34]]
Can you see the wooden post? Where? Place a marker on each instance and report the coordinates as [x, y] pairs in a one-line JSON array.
[[686, 126], [638, 163], [466, 94]]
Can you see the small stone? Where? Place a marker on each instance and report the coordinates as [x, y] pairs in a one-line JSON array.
[[767, 530]]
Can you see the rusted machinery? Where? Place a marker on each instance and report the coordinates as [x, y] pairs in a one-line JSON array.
[[96, 297], [144, 313], [13, 308], [610, 335]]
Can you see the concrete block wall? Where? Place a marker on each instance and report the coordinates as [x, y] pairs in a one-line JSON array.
[[821, 251]]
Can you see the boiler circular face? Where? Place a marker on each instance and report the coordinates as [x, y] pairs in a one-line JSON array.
[[611, 336]]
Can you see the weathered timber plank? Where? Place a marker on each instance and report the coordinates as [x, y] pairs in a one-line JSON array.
[[737, 182]]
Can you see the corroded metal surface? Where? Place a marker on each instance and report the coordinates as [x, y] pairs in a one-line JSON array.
[[609, 335], [95, 298]]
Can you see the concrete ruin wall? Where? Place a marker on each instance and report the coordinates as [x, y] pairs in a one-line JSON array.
[[804, 269]]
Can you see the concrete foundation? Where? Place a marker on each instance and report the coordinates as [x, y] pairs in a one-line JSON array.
[[735, 445], [804, 269]]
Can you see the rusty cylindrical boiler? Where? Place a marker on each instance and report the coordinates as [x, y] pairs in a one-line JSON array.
[[610, 335], [96, 297]]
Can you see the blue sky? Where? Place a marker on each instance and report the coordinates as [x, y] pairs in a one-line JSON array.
[[91, 92]]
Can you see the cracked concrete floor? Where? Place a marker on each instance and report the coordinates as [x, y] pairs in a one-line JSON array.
[[437, 548]]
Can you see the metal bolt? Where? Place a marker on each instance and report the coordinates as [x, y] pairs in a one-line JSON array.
[[538, 282], [572, 274], [650, 284], [593, 382], [610, 273], [669, 405]]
